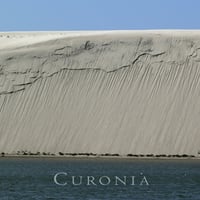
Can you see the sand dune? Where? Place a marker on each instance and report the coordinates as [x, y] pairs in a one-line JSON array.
[[119, 92]]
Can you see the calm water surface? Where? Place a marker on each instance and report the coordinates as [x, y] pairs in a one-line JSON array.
[[33, 178]]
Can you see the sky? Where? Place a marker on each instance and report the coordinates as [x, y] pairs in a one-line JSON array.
[[57, 15]]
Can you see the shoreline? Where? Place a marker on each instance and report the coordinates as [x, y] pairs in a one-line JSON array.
[[191, 157]]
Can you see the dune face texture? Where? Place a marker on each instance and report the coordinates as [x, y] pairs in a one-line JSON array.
[[124, 92]]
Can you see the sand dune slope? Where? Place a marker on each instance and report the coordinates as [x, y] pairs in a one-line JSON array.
[[102, 92]]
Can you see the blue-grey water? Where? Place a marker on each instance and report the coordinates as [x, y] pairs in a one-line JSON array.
[[33, 178]]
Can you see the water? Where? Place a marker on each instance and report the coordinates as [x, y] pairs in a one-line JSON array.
[[33, 178]]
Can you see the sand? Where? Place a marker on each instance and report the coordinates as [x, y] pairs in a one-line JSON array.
[[116, 92]]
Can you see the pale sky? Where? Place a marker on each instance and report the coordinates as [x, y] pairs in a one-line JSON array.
[[41, 15]]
